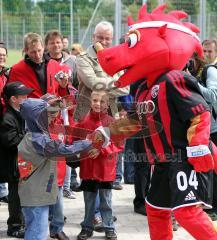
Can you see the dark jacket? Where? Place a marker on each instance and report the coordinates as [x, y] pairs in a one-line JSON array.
[[12, 131]]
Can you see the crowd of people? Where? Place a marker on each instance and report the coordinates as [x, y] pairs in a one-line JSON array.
[[51, 102], [49, 72]]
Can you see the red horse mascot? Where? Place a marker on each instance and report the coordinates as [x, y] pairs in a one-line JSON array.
[[172, 116]]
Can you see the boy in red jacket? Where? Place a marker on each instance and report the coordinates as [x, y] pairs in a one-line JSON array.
[[99, 171]]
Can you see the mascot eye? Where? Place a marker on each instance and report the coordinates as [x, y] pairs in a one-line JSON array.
[[132, 40]]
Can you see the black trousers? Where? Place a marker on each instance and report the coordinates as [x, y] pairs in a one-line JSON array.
[[214, 204], [142, 173], [141, 183], [16, 218]]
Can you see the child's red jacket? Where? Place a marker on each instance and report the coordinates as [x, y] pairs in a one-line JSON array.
[[102, 168]]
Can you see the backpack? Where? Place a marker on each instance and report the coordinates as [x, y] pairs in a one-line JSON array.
[[202, 81], [203, 76]]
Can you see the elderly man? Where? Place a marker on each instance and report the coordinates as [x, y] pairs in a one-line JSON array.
[[92, 77]]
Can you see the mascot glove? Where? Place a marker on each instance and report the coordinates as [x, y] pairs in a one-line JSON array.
[[105, 131], [100, 137], [200, 157]]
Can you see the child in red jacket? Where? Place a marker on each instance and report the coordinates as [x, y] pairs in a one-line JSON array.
[[99, 171]]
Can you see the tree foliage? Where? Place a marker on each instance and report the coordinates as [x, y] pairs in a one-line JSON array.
[[17, 6], [21, 16]]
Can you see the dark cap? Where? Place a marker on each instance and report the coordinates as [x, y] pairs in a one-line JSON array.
[[14, 89]]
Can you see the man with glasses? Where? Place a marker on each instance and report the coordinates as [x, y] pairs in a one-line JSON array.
[[92, 77]]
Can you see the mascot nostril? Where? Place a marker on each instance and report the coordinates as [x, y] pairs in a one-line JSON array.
[[107, 59]]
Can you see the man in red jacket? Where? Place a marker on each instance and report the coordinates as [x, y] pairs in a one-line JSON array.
[[37, 72]]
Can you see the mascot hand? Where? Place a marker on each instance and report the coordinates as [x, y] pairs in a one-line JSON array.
[[200, 157], [94, 153], [97, 139], [101, 137]]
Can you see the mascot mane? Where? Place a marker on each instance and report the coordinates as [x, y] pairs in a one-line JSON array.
[[157, 18], [158, 14]]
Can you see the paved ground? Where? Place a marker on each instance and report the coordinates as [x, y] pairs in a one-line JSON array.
[[130, 226]]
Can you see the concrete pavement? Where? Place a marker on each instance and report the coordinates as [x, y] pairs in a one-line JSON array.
[[130, 226]]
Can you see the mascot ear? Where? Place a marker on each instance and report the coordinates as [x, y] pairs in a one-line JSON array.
[[130, 21], [142, 12], [163, 31]]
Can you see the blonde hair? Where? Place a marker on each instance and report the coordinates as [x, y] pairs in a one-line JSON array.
[[31, 39], [102, 93], [77, 47]]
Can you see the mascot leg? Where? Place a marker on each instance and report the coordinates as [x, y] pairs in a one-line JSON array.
[[196, 222], [159, 219]]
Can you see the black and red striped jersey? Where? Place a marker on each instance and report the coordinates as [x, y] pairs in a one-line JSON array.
[[165, 110]]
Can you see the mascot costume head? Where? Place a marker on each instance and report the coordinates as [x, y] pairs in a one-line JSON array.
[[157, 43]]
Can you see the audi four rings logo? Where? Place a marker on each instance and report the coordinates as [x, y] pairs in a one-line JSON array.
[[145, 107]]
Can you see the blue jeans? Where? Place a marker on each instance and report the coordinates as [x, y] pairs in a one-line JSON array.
[[129, 160], [74, 175], [67, 180], [105, 196], [36, 222], [56, 211], [3, 190], [97, 203], [119, 169]]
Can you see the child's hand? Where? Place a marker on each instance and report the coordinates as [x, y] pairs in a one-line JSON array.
[[97, 138], [68, 102], [94, 153]]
